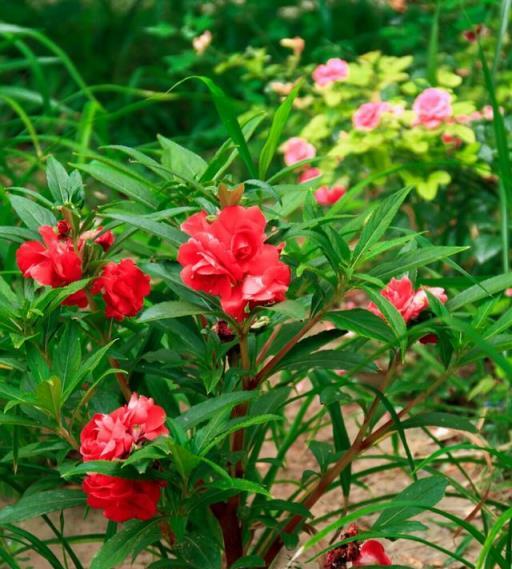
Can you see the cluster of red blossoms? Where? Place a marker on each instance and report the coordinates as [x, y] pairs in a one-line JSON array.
[[114, 436], [409, 302], [58, 261], [228, 257], [371, 552]]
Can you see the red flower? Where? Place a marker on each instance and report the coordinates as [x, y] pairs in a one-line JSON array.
[[113, 435], [145, 419], [328, 196], [406, 300], [52, 263], [371, 553], [105, 240], [123, 286], [77, 299], [122, 499], [229, 258], [106, 436]]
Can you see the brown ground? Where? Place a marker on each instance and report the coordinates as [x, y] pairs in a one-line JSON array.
[[408, 553]]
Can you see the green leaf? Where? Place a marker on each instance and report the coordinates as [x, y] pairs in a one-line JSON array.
[[241, 485], [392, 316], [414, 259], [484, 289], [276, 130], [326, 359], [32, 214], [171, 309], [58, 180], [362, 322], [35, 505], [49, 396], [435, 419], [292, 309], [248, 561], [207, 409], [123, 181], [225, 109], [123, 543], [378, 222], [181, 161], [426, 492], [158, 228]]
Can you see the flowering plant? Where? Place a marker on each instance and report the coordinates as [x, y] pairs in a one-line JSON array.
[[237, 323]]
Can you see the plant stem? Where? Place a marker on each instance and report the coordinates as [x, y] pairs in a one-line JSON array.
[[317, 492]]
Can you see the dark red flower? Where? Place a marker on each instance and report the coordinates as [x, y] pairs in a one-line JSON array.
[[123, 286], [121, 499], [54, 262]]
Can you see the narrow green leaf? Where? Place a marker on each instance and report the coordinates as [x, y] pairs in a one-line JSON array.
[[276, 130], [171, 309], [35, 505]]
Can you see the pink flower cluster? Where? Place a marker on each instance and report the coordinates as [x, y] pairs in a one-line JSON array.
[[114, 436], [228, 257], [334, 70]]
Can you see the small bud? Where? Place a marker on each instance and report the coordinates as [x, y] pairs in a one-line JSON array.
[[230, 196], [63, 228]]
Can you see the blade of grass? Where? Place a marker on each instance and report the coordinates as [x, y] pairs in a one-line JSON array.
[[433, 47]]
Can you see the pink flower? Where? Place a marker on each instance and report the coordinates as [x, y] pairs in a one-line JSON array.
[[433, 107], [145, 419], [371, 553], [488, 113], [508, 292], [113, 435], [297, 149], [328, 196], [309, 174], [334, 70], [106, 437], [406, 300], [368, 115]]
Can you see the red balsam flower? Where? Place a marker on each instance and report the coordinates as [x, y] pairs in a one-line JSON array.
[[371, 552], [54, 262], [228, 257], [123, 287], [409, 302], [121, 499], [114, 435]]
